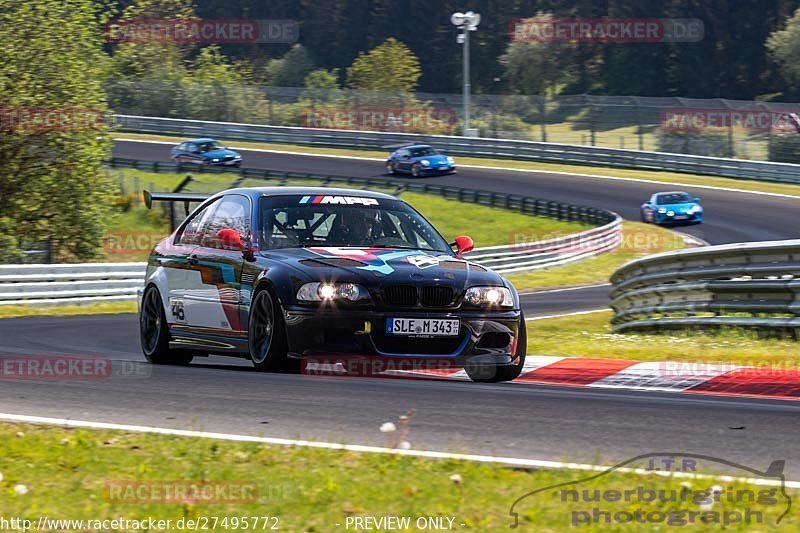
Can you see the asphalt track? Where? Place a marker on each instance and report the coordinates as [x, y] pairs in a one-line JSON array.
[[510, 419]]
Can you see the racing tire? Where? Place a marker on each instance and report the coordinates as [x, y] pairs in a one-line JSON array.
[[416, 171], [266, 335], [497, 373], [390, 168], [154, 332], [642, 216]]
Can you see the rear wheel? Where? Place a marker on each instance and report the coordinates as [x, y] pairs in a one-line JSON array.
[[154, 332], [416, 171], [266, 333], [497, 373], [390, 167]]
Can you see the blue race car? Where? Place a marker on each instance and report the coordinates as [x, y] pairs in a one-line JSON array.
[[205, 152], [419, 160], [665, 207]]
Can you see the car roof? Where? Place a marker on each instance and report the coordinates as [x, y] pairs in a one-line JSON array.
[[256, 192], [406, 146], [672, 192], [203, 140]]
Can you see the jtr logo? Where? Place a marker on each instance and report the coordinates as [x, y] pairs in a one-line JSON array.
[[345, 200]]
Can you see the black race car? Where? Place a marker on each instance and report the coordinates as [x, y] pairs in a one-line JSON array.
[[286, 275]]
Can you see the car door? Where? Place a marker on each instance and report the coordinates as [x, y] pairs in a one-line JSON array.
[[176, 261], [213, 296], [404, 160]]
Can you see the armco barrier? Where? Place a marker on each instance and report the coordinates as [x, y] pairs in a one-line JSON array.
[[754, 285], [505, 259], [69, 284], [476, 147], [92, 282]]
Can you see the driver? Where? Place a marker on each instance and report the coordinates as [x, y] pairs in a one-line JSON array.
[[357, 227]]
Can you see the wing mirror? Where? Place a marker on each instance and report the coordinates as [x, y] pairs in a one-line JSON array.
[[464, 244], [696, 199]]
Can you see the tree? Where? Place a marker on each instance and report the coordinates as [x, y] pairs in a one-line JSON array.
[[53, 139], [535, 67], [290, 70], [390, 66], [784, 46]]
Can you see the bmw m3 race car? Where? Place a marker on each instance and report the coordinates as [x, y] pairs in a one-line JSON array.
[[419, 160], [665, 207], [205, 152], [288, 275]]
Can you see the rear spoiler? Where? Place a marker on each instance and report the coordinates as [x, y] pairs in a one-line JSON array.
[[172, 198], [185, 197]]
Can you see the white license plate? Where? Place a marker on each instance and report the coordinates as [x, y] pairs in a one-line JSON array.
[[681, 217], [422, 327]]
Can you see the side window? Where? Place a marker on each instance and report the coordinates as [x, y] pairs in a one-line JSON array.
[[191, 232], [191, 147], [232, 212], [182, 146]]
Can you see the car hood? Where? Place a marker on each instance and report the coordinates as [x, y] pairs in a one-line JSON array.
[[218, 154], [378, 266], [678, 208]]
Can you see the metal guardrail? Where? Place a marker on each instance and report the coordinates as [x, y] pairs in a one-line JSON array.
[[530, 255], [95, 282], [752, 285], [475, 147], [69, 284]]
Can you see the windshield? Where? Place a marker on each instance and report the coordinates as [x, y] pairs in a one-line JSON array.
[[209, 146], [423, 151], [673, 198], [345, 221]]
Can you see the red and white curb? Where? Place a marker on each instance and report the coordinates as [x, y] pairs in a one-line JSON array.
[[657, 376]]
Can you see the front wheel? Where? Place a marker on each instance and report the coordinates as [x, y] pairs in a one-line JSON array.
[[390, 167], [497, 373], [266, 335], [416, 171], [154, 332]]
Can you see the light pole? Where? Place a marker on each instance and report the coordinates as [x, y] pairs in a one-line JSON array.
[[466, 22]]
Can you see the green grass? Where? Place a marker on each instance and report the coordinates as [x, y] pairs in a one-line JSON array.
[[637, 240], [590, 335], [135, 231], [70, 474], [13, 311], [651, 175]]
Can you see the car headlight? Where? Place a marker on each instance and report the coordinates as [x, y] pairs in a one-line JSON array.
[[670, 213], [237, 156], [661, 210], [215, 160], [695, 209], [319, 292], [491, 296], [425, 163], [451, 160]]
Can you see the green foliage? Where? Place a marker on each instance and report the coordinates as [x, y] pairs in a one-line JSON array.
[[290, 70], [784, 46], [392, 66], [51, 186], [536, 67]]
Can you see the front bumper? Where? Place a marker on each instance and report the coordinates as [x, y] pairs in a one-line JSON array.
[[678, 218], [328, 335], [227, 163], [439, 169]]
